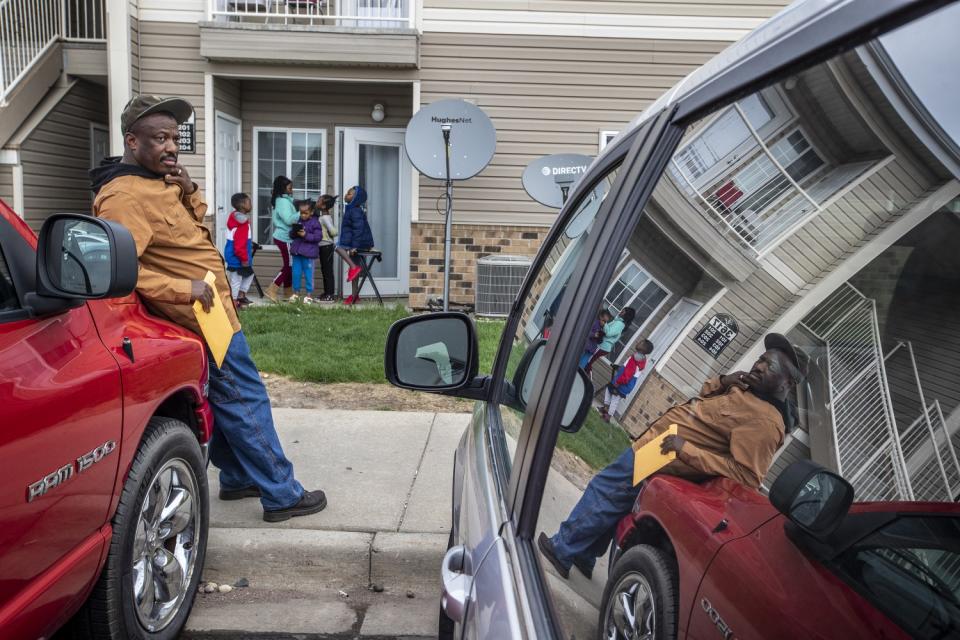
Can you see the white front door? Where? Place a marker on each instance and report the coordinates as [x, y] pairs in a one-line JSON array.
[[376, 160], [663, 336], [227, 179]]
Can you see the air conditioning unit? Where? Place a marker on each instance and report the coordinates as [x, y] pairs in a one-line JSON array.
[[499, 279]]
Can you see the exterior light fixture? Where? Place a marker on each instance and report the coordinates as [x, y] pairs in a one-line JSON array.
[[378, 113]]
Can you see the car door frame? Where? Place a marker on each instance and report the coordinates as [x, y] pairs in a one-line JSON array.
[[651, 145]]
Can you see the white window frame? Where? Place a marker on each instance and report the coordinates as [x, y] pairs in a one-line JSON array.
[[606, 137], [783, 117], [826, 166], [255, 173], [609, 358]]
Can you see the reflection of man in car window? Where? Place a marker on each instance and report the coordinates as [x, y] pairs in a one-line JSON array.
[[732, 429]]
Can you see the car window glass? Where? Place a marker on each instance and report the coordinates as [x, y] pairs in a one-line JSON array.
[[910, 570], [541, 303], [819, 209], [8, 295]]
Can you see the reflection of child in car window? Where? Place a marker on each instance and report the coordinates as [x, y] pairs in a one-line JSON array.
[[625, 378], [595, 338]]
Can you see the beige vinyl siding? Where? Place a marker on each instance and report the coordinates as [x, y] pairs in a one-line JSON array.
[[6, 184], [846, 224], [312, 105], [226, 96], [545, 95], [794, 449], [714, 8], [56, 155], [135, 52], [170, 65]]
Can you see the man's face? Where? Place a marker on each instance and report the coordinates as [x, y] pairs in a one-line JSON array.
[[769, 373], [154, 142]]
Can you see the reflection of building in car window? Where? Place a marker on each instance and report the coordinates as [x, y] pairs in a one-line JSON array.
[[817, 210]]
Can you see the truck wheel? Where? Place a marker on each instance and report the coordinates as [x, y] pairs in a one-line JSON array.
[[640, 599], [159, 542]]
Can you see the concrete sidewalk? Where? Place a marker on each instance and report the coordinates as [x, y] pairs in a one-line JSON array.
[[369, 564]]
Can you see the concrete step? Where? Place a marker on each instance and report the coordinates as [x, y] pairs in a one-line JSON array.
[[311, 583]]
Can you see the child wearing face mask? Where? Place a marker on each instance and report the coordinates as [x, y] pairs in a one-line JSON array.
[[625, 379], [238, 252]]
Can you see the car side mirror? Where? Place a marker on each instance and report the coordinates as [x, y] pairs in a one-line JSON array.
[[81, 257], [814, 499], [437, 352], [578, 400]]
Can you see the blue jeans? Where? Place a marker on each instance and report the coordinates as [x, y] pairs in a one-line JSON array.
[[245, 446], [586, 533], [303, 267]]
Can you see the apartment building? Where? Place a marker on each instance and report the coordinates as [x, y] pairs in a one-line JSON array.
[[293, 87], [829, 192]]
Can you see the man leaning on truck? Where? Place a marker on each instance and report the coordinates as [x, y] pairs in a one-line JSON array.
[[152, 195]]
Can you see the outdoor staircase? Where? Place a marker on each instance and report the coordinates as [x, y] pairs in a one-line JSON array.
[[32, 38]]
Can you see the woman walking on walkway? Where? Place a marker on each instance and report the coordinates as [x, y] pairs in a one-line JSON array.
[[283, 214]]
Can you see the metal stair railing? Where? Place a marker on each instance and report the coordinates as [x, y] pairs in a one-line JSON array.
[[28, 28]]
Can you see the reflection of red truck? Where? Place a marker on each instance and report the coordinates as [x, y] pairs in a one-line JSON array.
[[104, 424], [730, 565]]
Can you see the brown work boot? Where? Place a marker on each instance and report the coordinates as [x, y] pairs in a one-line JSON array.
[[271, 293]]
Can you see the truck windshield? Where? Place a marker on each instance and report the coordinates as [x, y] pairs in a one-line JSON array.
[[910, 570]]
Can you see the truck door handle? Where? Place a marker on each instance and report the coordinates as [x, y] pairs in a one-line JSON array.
[[127, 347], [456, 584]]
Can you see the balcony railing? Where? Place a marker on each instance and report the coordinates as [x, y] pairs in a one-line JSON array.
[[29, 27], [769, 192], [369, 14]]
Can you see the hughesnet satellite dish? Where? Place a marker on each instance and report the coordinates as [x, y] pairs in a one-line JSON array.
[[549, 179], [450, 140], [472, 140]]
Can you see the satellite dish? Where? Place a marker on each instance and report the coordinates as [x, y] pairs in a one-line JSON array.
[[472, 138], [549, 179]]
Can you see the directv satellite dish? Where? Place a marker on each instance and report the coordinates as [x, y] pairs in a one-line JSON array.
[[471, 135], [549, 179], [450, 140]]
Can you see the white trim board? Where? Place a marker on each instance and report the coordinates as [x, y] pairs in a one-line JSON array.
[[597, 25], [857, 261], [209, 142]]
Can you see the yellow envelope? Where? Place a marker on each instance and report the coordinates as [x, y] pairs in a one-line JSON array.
[[215, 325], [647, 460]]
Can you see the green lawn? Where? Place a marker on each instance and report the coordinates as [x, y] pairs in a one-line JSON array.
[[334, 344], [597, 443]]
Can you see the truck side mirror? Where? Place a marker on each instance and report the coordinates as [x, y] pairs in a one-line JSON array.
[[81, 257], [814, 499]]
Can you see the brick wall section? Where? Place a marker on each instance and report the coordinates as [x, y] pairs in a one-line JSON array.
[[469, 242], [653, 398]]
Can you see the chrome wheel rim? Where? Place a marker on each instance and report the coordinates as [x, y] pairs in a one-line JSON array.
[[631, 612], [165, 545]]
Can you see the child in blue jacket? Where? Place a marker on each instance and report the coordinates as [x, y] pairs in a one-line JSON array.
[[355, 235]]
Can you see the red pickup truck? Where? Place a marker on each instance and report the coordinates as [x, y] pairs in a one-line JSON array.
[[105, 422], [719, 560]]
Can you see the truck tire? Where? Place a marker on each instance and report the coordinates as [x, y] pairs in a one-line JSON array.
[[156, 555], [640, 599]]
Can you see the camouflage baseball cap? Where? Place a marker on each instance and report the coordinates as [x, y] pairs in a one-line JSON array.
[[140, 106]]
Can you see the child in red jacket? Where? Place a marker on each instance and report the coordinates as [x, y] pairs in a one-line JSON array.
[[238, 252]]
